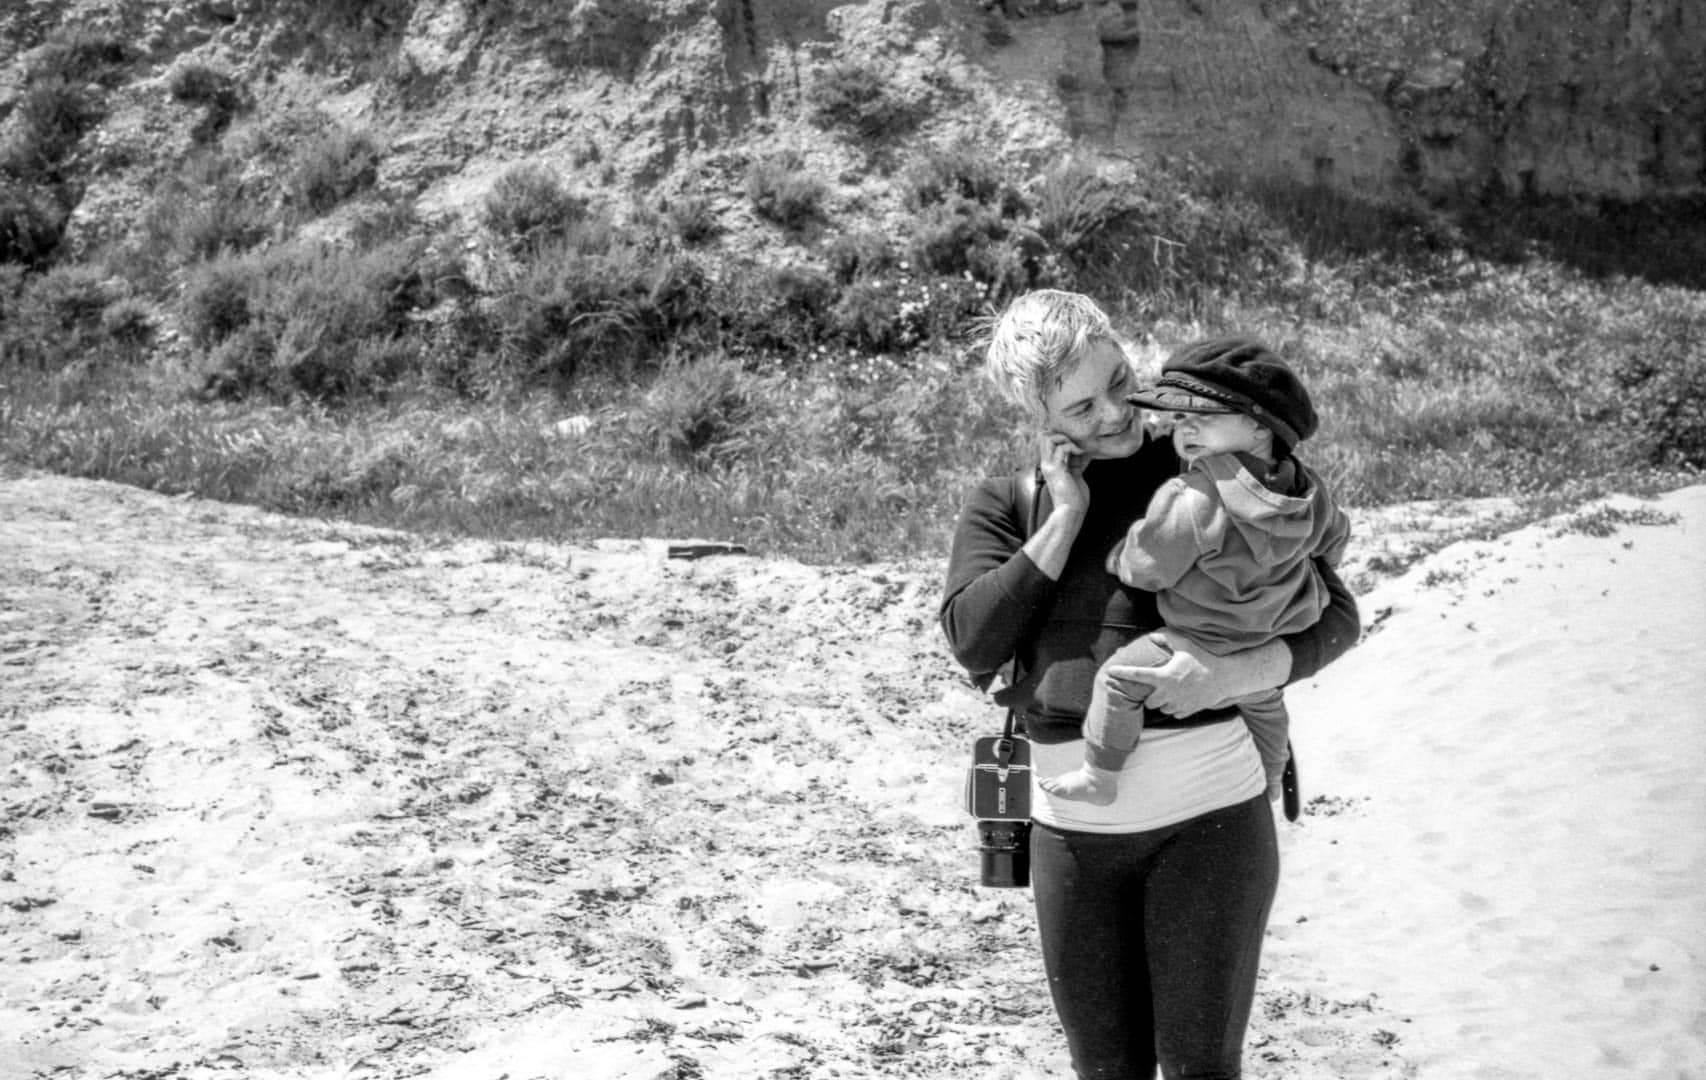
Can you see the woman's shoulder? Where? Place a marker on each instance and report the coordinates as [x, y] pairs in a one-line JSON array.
[[998, 487], [990, 499]]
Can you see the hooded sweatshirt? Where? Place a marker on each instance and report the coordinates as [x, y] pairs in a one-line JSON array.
[[1229, 552]]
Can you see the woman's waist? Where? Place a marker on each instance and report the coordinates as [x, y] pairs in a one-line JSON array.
[[1046, 727], [1054, 696], [1173, 775]]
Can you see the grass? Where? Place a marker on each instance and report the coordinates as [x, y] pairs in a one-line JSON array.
[[594, 372], [659, 462], [853, 457]]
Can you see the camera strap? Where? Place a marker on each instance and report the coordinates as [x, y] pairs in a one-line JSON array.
[[1028, 495]]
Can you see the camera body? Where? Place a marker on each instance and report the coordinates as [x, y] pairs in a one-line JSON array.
[[998, 795]]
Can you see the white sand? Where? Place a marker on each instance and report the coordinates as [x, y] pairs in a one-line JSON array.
[[293, 799], [1515, 860]]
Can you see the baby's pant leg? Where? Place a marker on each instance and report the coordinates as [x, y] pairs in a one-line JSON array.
[[1115, 719], [1269, 722]]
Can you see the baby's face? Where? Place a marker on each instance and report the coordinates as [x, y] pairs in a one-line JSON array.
[[1197, 435]]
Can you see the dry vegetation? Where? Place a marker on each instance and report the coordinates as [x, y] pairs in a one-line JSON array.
[[571, 366]]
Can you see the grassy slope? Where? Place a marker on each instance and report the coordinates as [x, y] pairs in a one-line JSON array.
[[839, 422]]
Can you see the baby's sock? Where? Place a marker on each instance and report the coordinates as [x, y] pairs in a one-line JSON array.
[[1087, 783]]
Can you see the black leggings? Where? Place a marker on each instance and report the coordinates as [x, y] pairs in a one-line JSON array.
[[1151, 940]]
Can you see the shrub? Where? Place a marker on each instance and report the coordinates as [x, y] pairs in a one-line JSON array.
[[12, 279], [892, 314], [961, 237], [1659, 239], [802, 289], [51, 118], [306, 323], [693, 218], [529, 206], [219, 299], [216, 91], [31, 223], [1659, 394], [225, 222], [1140, 228], [205, 211], [853, 96], [240, 366], [962, 170], [770, 308], [199, 84], [1329, 222], [73, 297], [82, 56], [783, 191], [696, 412], [382, 221], [330, 168], [60, 101], [369, 476], [129, 323], [869, 315], [865, 253], [57, 318], [588, 298]]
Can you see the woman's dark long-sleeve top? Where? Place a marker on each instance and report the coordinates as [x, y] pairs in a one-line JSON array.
[[997, 603]]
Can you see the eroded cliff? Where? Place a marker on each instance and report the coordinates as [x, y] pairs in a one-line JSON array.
[[1576, 98]]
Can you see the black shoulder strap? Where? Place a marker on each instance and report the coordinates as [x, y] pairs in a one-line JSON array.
[[1029, 493], [1029, 497]]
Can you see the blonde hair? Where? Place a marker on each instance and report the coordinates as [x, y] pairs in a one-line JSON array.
[[1040, 340]]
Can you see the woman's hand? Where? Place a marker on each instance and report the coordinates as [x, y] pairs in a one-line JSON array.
[[1063, 472], [1193, 679]]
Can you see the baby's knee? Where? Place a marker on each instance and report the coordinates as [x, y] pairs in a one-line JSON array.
[[1123, 690]]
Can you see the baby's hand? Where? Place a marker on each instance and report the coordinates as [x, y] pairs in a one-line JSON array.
[[1114, 556], [1113, 563]]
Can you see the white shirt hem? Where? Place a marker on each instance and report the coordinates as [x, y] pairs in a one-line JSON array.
[[1175, 774]]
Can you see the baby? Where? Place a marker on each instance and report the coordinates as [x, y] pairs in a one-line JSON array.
[[1228, 547]]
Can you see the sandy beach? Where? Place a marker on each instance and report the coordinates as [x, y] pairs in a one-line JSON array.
[[285, 798]]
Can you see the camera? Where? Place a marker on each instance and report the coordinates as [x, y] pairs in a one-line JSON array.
[[998, 795], [1004, 854]]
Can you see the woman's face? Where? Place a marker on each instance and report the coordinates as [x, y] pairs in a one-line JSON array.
[[1090, 408]]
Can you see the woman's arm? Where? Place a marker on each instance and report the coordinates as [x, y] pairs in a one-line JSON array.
[[1194, 680], [997, 576], [993, 585], [1339, 628]]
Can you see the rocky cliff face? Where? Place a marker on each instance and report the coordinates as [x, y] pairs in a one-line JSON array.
[[1551, 97], [1596, 98], [1216, 78], [1586, 98], [1449, 97]]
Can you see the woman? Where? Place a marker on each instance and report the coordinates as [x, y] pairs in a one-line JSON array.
[[1152, 908]]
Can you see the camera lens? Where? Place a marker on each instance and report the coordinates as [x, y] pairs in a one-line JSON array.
[[1004, 853]]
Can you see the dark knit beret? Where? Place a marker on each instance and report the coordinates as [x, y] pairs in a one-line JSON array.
[[1238, 374]]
